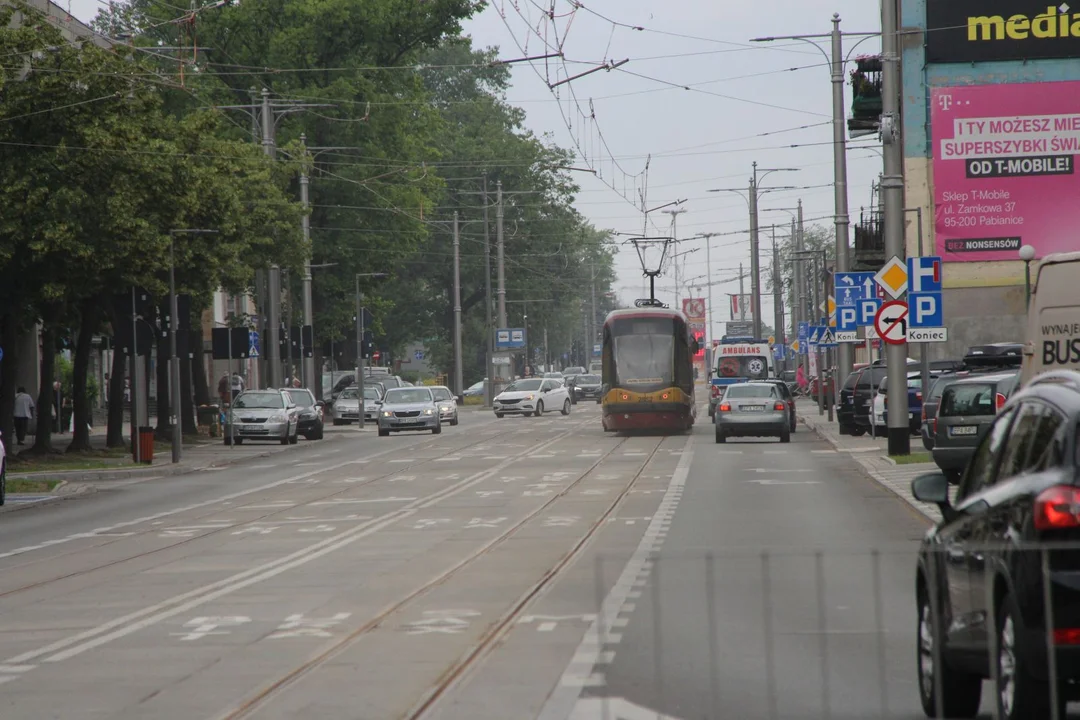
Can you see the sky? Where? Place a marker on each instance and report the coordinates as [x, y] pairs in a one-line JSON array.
[[689, 112]]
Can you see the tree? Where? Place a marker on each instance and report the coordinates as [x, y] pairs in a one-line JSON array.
[[816, 238]]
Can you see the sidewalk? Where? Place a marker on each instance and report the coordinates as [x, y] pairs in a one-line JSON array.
[[872, 455]]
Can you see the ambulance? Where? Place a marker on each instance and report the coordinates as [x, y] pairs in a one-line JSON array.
[[738, 360]]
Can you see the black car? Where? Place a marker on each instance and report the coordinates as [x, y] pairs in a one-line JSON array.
[[863, 398], [845, 411], [587, 386], [996, 580], [311, 413]]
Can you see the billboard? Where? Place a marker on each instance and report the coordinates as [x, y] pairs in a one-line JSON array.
[[965, 31], [1004, 161], [694, 310]]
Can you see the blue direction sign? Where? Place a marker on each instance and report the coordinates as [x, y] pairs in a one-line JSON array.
[[851, 287], [804, 332], [867, 311], [779, 351]]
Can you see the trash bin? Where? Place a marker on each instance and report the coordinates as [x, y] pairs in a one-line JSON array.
[[146, 445]]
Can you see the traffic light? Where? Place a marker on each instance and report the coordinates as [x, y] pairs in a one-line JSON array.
[[367, 346], [699, 336]]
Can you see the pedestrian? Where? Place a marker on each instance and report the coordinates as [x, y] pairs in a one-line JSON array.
[[24, 412], [800, 379], [296, 382], [223, 389], [237, 384]]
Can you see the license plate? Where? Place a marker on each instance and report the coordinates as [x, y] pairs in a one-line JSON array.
[[753, 408], [963, 430], [249, 428]]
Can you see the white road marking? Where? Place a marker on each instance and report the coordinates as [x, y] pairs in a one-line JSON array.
[[783, 482], [318, 529], [255, 530], [495, 457], [344, 501], [447, 622], [298, 626], [485, 522], [557, 521], [203, 626], [429, 522], [400, 460], [488, 493], [402, 478], [774, 470]]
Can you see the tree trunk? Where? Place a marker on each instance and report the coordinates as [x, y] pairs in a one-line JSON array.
[[88, 323], [164, 427], [198, 369], [114, 436], [46, 401], [9, 368]]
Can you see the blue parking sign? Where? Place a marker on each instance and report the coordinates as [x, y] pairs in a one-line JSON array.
[[924, 310], [867, 310], [847, 318]]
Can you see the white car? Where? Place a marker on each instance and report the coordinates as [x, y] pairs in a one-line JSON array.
[[533, 395], [914, 380]]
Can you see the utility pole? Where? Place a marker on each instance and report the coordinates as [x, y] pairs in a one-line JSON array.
[[547, 355], [458, 389], [892, 184], [845, 352], [778, 292], [308, 364], [500, 242], [592, 312], [800, 279], [755, 269], [675, 213], [489, 369], [273, 305], [174, 359], [795, 309], [359, 353]]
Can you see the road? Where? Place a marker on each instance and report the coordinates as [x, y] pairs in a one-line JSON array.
[[515, 568]]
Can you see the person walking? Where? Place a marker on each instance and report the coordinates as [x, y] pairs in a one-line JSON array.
[[237, 384], [800, 379], [24, 412], [223, 389]]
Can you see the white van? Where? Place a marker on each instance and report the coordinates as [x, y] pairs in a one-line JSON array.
[[1053, 322]]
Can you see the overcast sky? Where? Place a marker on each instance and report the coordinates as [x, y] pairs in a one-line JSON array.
[[746, 102]]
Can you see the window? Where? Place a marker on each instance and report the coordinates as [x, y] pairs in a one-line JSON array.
[[547, 386], [644, 359], [302, 398], [980, 470], [964, 399], [408, 395], [442, 393], [260, 400], [1014, 458], [1048, 445], [739, 392]]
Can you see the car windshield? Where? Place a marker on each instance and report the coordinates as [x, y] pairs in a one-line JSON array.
[[738, 392], [588, 380], [260, 400], [407, 395], [963, 399], [350, 394], [302, 398], [646, 359], [530, 385], [442, 393]]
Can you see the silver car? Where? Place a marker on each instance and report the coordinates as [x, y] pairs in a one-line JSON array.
[[752, 409], [373, 395], [346, 409], [409, 408], [447, 404], [263, 415]]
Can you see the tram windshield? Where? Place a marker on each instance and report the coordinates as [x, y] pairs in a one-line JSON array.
[[644, 359]]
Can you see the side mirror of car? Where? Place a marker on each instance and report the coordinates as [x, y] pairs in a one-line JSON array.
[[933, 488]]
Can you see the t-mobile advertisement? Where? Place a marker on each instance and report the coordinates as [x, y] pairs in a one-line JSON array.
[[1004, 169]]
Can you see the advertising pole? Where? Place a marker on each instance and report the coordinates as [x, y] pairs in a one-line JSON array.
[[892, 183]]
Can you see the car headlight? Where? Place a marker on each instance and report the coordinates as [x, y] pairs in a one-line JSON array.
[[529, 396], [278, 417], [429, 411], [387, 413]]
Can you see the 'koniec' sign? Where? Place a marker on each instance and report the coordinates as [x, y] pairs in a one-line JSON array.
[[1002, 179]]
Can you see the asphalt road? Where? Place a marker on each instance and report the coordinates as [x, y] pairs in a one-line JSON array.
[[516, 568]]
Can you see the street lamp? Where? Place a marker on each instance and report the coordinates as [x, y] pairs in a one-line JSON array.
[[174, 359], [359, 344], [1027, 254]]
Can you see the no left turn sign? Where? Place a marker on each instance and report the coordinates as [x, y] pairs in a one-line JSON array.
[[891, 322]]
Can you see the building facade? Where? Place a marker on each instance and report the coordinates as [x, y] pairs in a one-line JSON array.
[[991, 117]]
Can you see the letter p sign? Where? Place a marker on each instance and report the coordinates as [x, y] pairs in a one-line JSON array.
[[925, 310]]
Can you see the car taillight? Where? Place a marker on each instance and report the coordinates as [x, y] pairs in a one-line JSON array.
[[885, 402], [1067, 636], [780, 406], [999, 401], [1057, 508], [918, 396], [725, 408], [716, 391]]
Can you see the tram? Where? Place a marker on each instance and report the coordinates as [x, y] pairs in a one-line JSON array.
[[648, 372]]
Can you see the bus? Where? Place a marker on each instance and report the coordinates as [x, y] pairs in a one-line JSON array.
[[739, 359], [647, 371]]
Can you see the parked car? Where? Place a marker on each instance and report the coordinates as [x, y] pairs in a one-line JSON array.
[[1052, 310], [532, 396], [881, 404], [982, 587], [845, 411], [448, 411], [476, 389], [311, 412], [863, 397], [262, 415], [346, 408], [574, 370], [979, 360], [752, 409], [373, 395], [964, 415], [409, 408]]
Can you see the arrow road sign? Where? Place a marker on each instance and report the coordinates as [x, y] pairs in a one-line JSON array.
[[853, 286], [891, 322]]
